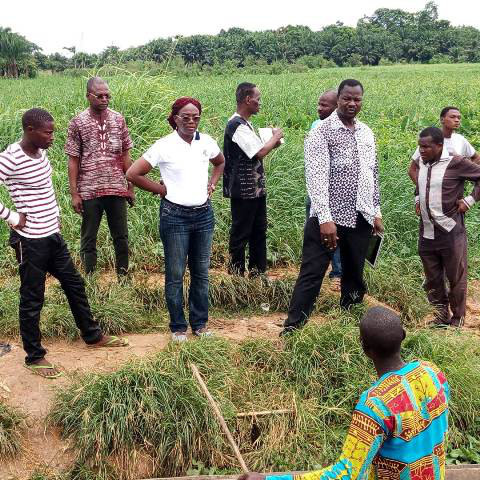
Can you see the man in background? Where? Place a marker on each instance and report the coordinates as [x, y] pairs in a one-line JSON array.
[[327, 103], [244, 183], [98, 148]]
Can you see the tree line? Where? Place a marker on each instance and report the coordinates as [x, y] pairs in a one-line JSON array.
[[388, 36]]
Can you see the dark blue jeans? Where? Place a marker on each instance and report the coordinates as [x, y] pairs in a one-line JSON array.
[[336, 271], [186, 235]]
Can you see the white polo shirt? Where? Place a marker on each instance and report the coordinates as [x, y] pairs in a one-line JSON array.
[[456, 145], [184, 166]]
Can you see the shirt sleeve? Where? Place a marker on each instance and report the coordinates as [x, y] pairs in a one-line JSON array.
[[214, 148], [73, 145], [127, 143], [247, 140], [416, 156], [376, 187], [467, 150], [317, 168], [153, 155], [467, 170], [11, 217], [365, 437]]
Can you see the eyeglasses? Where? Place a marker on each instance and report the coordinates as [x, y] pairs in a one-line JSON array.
[[186, 118], [102, 95]]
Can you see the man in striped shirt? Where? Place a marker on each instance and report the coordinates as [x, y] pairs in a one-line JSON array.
[[40, 249]]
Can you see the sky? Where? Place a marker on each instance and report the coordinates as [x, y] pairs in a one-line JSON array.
[[91, 26]]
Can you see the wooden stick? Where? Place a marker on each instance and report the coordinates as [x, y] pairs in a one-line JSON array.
[[219, 416], [265, 412]]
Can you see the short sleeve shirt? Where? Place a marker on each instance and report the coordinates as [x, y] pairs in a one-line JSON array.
[[184, 166], [100, 146], [456, 145], [244, 175]]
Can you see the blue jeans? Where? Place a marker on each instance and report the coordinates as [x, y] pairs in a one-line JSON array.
[[186, 233], [336, 271]]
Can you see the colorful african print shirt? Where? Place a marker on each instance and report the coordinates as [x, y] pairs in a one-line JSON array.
[[397, 431], [100, 146]]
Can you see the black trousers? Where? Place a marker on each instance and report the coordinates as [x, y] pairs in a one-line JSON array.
[[116, 210], [37, 257], [353, 243], [249, 226]]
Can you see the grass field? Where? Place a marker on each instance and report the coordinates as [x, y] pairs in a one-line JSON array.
[[398, 102]]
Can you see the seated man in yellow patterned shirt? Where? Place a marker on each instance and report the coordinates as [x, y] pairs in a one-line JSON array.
[[399, 425]]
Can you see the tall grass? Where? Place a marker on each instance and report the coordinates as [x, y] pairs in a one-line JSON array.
[[151, 415], [12, 426]]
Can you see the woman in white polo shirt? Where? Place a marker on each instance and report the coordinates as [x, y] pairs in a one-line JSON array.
[[186, 216]]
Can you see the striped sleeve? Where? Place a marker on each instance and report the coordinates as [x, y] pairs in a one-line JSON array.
[[6, 214]]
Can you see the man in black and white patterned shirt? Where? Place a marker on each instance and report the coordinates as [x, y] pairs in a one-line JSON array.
[[342, 181]]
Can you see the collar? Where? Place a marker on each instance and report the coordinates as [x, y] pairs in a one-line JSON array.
[[196, 136], [443, 158], [337, 124]]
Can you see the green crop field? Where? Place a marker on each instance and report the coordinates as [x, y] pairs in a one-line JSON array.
[[398, 102]]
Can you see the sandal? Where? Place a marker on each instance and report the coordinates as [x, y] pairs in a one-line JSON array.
[[113, 342], [36, 369]]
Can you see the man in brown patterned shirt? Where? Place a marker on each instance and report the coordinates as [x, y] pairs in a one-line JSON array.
[[98, 148]]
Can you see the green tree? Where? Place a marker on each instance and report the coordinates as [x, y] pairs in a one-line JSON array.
[[14, 49]]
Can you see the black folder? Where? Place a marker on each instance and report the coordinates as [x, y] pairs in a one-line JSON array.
[[373, 251]]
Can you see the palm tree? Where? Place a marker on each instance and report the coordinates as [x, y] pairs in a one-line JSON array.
[[13, 49]]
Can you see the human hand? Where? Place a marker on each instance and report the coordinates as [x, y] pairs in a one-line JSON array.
[[22, 222], [130, 197], [210, 189], [417, 208], [462, 207], [162, 189], [251, 476], [278, 135], [378, 227], [328, 235], [77, 203]]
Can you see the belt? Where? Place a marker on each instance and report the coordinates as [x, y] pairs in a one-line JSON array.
[[185, 207]]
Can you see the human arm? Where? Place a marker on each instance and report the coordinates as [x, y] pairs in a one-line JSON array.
[[378, 227], [317, 168], [413, 171], [218, 163], [364, 439], [127, 163], [73, 168], [467, 170], [136, 174], [274, 142], [14, 219]]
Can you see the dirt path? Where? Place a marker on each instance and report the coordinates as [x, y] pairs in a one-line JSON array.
[[33, 394]]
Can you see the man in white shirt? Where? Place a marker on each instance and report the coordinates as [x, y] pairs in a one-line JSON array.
[[454, 143], [244, 182]]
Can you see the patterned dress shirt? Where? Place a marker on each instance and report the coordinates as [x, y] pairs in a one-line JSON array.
[[397, 430], [342, 172], [100, 146]]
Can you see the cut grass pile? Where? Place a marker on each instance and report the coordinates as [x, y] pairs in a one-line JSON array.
[[151, 416], [12, 424]]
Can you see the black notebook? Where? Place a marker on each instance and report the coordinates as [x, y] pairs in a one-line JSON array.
[[373, 251]]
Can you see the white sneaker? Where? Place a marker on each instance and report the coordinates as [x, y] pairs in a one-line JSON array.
[[203, 332], [179, 337]]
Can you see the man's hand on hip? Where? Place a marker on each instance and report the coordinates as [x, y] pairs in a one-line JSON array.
[[328, 235], [22, 222]]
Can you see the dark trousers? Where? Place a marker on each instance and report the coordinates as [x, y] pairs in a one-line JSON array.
[[448, 261], [336, 271], [353, 243], [249, 226], [186, 233], [116, 210], [37, 257]]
